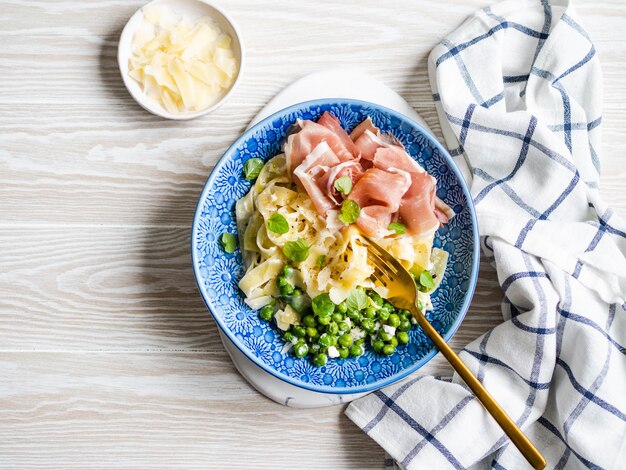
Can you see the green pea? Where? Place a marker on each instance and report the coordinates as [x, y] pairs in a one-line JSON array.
[[345, 340], [311, 331], [288, 336], [320, 359], [378, 346], [309, 320], [287, 270], [324, 340], [368, 325], [286, 289], [299, 331], [333, 340], [369, 312], [405, 325], [385, 336], [267, 313], [360, 342], [383, 314], [388, 306], [337, 317], [405, 314], [394, 320], [298, 300], [375, 296], [324, 320], [394, 341], [342, 308], [332, 328], [353, 314], [300, 349], [343, 326], [388, 350], [403, 337], [356, 350], [343, 352]]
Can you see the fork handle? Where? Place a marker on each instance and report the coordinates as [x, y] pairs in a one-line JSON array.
[[528, 450]]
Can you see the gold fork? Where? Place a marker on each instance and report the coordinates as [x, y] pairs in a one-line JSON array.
[[403, 294]]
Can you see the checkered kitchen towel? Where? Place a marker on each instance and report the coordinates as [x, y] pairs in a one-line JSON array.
[[518, 90]]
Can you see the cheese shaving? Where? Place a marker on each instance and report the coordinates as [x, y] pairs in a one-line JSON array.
[[184, 66]]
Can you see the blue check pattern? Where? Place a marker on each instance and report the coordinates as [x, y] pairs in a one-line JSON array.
[[518, 92]]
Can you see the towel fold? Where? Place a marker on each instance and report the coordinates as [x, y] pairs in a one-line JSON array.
[[518, 91]]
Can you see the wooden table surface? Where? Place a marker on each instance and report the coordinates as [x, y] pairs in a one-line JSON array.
[[108, 357]]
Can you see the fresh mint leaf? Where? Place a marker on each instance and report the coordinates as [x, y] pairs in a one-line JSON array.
[[296, 251], [350, 211], [426, 280], [228, 242], [278, 224], [252, 168], [322, 305], [357, 300], [343, 185], [397, 227]]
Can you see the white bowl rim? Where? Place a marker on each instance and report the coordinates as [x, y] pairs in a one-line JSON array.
[[378, 384], [155, 108]]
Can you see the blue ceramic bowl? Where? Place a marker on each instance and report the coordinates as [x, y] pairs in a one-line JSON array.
[[218, 273]]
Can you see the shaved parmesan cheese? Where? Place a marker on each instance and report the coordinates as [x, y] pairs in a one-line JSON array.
[[183, 66], [333, 352], [357, 333], [287, 317], [389, 329]]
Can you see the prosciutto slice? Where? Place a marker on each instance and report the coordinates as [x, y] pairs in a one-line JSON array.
[[313, 168], [332, 123], [388, 185], [302, 143], [368, 143], [366, 125], [418, 206], [351, 169], [379, 194]]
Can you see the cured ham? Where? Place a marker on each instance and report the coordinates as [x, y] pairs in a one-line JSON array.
[[417, 208], [311, 134], [387, 184], [331, 123], [368, 143], [379, 194], [313, 167], [351, 169], [366, 125]]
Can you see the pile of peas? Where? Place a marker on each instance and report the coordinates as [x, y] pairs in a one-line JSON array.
[[326, 325]]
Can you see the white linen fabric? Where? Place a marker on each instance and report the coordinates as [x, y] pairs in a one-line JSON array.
[[518, 91]]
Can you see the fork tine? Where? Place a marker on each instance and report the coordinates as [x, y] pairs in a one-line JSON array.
[[381, 277], [381, 262]]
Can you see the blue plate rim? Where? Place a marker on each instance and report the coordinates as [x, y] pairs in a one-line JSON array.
[[475, 255]]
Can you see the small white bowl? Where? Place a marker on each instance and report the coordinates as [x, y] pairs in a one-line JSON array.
[[190, 9]]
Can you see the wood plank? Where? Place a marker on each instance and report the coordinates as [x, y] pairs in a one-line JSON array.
[[108, 356], [158, 410]]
